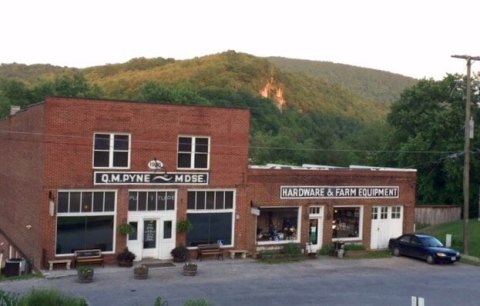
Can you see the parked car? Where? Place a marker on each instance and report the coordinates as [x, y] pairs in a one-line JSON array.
[[423, 247]]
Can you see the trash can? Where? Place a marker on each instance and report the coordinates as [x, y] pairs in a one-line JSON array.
[[14, 267]]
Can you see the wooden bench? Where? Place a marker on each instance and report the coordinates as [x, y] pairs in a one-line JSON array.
[[243, 253], [67, 263], [87, 257], [209, 249]]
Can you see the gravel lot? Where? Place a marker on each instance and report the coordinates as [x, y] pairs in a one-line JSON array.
[[322, 281]]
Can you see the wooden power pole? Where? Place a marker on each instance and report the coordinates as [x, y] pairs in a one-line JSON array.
[[466, 164]]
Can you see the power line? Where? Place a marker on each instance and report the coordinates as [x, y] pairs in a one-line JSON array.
[[88, 142]]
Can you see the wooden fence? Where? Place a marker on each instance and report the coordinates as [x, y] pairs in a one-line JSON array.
[[436, 214]]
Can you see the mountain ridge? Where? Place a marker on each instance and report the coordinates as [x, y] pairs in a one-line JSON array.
[[297, 116]]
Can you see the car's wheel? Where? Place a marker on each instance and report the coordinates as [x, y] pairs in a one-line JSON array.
[[430, 259], [396, 252]]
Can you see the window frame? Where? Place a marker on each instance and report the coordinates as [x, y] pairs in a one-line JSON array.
[[193, 152], [298, 229], [360, 223], [92, 213], [396, 212], [215, 210], [111, 150], [156, 191]]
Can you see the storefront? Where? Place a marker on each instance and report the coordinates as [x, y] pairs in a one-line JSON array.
[[358, 208], [99, 164]]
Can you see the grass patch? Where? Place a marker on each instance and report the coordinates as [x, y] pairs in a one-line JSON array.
[[327, 250], [289, 252], [456, 229], [197, 302], [40, 297], [471, 260], [374, 254], [354, 247]]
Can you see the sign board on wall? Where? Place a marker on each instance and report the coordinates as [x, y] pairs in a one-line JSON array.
[[339, 192], [149, 178]]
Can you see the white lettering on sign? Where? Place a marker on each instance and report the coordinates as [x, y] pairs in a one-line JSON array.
[[146, 178], [190, 178], [338, 192]]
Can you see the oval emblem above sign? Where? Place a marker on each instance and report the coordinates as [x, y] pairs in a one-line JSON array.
[[155, 164]]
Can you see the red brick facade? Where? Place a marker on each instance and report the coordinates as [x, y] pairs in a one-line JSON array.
[[49, 147], [263, 190]]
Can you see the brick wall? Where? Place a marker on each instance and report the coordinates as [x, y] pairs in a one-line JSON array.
[[264, 190], [49, 147], [22, 198]]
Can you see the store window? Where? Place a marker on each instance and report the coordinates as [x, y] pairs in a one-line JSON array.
[[193, 152], [212, 216], [346, 223], [278, 225], [111, 151], [85, 220]]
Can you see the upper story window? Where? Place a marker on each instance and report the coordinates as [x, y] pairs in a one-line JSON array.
[[111, 150], [193, 152]]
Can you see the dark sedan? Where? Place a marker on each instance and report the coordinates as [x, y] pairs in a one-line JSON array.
[[423, 247]]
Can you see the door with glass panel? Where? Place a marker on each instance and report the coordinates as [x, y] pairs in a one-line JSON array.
[[150, 237], [387, 222], [315, 229]]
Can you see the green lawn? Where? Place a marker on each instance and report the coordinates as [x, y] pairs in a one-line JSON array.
[[456, 229]]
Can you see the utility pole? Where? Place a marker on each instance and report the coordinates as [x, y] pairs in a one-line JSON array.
[[466, 164]]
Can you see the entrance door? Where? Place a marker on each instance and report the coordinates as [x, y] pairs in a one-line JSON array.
[[387, 222], [315, 228]]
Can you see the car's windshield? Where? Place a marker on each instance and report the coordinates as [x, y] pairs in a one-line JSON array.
[[431, 242]]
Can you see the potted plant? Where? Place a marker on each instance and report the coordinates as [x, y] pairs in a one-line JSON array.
[[125, 229], [190, 269], [125, 258], [180, 253], [140, 272], [85, 274], [184, 226]]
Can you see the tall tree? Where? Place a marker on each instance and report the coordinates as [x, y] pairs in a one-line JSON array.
[[428, 134]]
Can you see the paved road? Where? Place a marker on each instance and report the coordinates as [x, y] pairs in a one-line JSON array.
[[323, 281]]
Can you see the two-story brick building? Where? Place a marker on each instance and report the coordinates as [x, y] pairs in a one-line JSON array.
[[72, 170]]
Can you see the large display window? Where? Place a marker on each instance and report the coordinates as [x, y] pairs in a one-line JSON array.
[[278, 225], [347, 223], [211, 213], [85, 220]]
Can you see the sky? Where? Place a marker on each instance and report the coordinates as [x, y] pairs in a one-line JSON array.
[[414, 38]]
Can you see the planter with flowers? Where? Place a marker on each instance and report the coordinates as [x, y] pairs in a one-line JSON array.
[[190, 269], [85, 274], [179, 253], [125, 258], [126, 229], [140, 272]]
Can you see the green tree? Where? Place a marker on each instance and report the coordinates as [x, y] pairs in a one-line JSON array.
[[176, 94], [428, 134]]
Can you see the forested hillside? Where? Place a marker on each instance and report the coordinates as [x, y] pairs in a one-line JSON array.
[[296, 118], [381, 86]]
